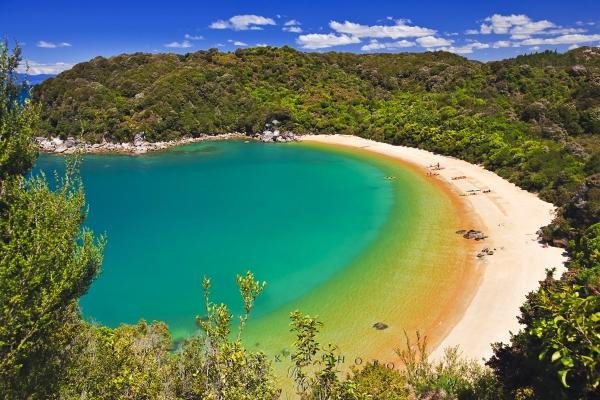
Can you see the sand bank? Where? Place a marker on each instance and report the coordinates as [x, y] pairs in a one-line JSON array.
[[510, 217]]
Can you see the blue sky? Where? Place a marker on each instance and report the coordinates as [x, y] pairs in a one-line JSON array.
[[57, 34]]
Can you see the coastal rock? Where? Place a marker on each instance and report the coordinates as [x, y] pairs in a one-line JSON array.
[[267, 136], [276, 136], [139, 139], [70, 142], [560, 242], [473, 234], [139, 145]]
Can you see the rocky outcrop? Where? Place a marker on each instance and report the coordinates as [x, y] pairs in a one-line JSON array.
[[472, 234], [578, 70], [486, 251], [139, 145], [276, 136], [139, 139], [273, 134]]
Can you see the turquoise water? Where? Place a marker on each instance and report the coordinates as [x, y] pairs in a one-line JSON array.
[[294, 214]]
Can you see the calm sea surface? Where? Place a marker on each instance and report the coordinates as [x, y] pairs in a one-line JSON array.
[[293, 214]]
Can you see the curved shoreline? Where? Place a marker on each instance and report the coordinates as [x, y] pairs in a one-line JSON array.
[[511, 217], [416, 274], [489, 302]]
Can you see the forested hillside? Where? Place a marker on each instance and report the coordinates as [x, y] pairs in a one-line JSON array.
[[534, 119]]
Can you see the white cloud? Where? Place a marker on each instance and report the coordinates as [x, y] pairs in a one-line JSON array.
[[376, 45], [49, 45], [237, 43], [292, 26], [522, 27], [243, 23], [261, 45], [574, 46], [471, 32], [36, 68], [193, 37], [531, 28], [563, 39], [501, 24], [220, 24], [399, 30], [432, 41], [485, 29], [373, 45], [180, 45], [322, 41], [293, 29], [562, 31], [502, 44]]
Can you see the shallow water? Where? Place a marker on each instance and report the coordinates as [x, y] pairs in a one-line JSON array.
[[294, 214]]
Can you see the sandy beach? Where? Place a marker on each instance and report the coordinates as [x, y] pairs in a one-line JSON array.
[[510, 217]]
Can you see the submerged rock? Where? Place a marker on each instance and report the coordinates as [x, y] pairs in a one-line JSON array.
[[380, 326]]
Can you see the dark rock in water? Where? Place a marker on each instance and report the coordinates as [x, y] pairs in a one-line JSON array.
[[380, 326]]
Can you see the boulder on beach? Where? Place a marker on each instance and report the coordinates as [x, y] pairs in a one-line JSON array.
[[276, 136], [70, 142], [473, 234]]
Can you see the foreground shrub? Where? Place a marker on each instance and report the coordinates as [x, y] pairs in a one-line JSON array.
[[381, 383], [452, 377]]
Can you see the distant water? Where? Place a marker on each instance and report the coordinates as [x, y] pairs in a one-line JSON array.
[[294, 214]]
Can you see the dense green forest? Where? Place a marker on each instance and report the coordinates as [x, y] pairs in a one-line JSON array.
[[533, 119]]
